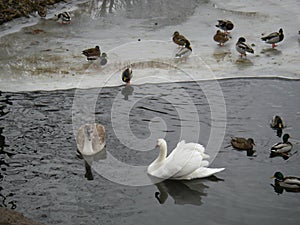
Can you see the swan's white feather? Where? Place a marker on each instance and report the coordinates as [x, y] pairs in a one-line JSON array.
[[201, 172], [184, 162]]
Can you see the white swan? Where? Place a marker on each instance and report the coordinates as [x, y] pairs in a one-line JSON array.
[[185, 162], [91, 139]]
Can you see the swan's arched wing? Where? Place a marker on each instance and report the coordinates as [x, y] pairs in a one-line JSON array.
[[183, 160]]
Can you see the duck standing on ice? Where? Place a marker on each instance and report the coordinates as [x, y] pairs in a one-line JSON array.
[[242, 47], [274, 38], [225, 25], [127, 75], [92, 53], [182, 41]]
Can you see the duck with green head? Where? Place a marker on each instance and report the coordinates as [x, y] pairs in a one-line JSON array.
[[282, 148], [289, 182]]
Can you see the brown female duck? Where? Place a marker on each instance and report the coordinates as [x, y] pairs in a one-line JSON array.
[[243, 144], [221, 37], [92, 53]]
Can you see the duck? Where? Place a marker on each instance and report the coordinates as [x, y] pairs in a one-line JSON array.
[[241, 143], [274, 38], [282, 148], [185, 162], [221, 37], [277, 124], [181, 40], [242, 47], [92, 53], [225, 25], [289, 182], [91, 139], [64, 18], [127, 75]]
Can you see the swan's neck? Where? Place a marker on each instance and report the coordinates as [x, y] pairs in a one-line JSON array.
[[159, 160], [87, 146], [162, 154]]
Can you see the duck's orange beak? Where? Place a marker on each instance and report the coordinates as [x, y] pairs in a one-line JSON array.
[[272, 177]]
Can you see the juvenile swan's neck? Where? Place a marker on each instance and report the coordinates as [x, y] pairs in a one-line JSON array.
[[87, 146]]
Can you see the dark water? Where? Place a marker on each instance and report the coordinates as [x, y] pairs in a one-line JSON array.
[[42, 176]]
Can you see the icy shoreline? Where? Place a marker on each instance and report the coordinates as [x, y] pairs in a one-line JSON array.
[[52, 60]]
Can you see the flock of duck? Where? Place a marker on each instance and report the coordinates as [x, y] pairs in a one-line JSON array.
[[188, 160]]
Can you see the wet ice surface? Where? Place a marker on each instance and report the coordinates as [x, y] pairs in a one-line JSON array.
[[42, 176], [51, 59]]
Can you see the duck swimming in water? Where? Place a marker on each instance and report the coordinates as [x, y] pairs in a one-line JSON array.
[[282, 148], [243, 144], [289, 182], [277, 124]]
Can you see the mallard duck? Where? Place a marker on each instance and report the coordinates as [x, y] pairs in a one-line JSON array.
[[103, 59], [127, 75], [181, 40], [242, 47], [243, 144], [221, 37], [225, 25], [92, 53], [286, 182], [64, 18], [277, 122], [282, 148], [274, 38]]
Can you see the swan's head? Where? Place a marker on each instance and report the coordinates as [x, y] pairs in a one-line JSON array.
[[161, 143]]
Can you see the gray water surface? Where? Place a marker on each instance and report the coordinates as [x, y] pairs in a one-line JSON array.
[[42, 176]]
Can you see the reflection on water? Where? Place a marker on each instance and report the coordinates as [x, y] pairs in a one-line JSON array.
[[183, 191], [126, 91], [89, 160], [180, 191]]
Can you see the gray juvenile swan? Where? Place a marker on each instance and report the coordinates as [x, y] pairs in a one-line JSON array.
[[91, 139]]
